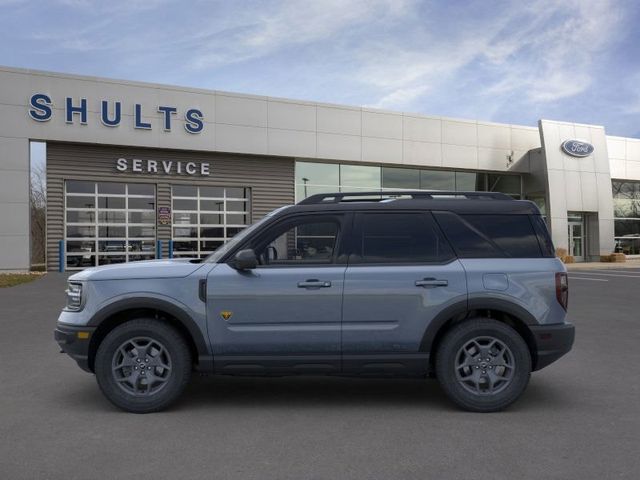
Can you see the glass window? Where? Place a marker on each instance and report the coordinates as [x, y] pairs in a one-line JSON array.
[[236, 193], [402, 178], [470, 182], [142, 217], [142, 203], [626, 190], [83, 246], [509, 184], [211, 219], [206, 218], [214, 192], [80, 232], [81, 216], [317, 174], [490, 236], [136, 232], [305, 241], [437, 180], [75, 186], [185, 204], [212, 205], [111, 188], [359, 177], [627, 228], [108, 227], [112, 202], [212, 232], [626, 208], [106, 216], [81, 202], [112, 232], [401, 237]]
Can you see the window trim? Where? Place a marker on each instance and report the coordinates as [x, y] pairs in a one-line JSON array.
[[355, 253]]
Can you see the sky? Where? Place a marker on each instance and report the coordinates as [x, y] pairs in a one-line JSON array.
[[507, 62]]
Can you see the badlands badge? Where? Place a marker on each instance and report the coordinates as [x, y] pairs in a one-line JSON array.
[[226, 314]]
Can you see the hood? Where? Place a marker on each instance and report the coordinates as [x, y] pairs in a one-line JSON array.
[[175, 268]]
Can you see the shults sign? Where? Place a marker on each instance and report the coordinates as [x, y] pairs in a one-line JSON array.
[[41, 109]]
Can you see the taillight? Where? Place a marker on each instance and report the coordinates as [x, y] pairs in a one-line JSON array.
[[562, 289]]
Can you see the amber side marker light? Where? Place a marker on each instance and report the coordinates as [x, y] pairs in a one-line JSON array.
[[83, 335]]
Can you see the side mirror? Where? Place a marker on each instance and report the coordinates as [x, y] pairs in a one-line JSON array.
[[245, 260]]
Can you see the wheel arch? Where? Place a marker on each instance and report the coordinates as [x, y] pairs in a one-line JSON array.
[[121, 311], [506, 312]]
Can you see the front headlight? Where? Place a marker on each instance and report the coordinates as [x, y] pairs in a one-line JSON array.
[[74, 297]]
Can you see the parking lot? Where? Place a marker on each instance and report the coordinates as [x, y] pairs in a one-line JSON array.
[[579, 419]]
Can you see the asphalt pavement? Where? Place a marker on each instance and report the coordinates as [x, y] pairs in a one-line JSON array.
[[579, 418]]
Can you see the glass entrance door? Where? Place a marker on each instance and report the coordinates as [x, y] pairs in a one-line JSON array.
[[576, 236]]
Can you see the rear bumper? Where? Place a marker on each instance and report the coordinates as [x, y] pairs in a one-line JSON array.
[[74, 345], [552, 342]]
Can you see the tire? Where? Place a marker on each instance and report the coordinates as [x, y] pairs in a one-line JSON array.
[[471, 365], [143, 365]]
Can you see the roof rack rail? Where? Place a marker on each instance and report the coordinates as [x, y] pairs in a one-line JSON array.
[[387, 195]]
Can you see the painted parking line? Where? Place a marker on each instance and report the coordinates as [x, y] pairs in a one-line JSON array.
[[627, 271], [587, 278], [604, 274]]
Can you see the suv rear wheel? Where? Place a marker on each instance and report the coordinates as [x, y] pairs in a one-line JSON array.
[[483, 365], [143, 365]]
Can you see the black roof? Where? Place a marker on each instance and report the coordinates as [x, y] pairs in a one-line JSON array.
[[458, 202]]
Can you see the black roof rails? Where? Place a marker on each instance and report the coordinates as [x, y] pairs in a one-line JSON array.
[[386, 195]]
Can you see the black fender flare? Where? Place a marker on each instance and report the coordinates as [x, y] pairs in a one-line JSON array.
[[463, 307], [205, 359]]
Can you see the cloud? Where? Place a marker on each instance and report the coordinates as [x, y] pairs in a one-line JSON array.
[[542, 51], [287, 24]]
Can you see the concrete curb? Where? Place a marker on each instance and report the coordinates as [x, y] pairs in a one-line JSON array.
[[603, 265]]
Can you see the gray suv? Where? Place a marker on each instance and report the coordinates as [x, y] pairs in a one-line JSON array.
[[461, 286]]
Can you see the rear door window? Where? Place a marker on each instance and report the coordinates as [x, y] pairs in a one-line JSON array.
[[400, 238], [490, 236]]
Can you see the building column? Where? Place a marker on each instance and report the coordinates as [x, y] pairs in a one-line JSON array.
[[14, 204]]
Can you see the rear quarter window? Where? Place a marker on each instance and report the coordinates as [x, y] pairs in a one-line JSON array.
[[490, 235]]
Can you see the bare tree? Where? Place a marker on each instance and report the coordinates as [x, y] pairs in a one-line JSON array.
[[38, 206]]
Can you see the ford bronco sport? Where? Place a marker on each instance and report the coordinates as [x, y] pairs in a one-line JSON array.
[[461, 286]]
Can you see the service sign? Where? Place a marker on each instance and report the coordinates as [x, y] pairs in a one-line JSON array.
[[577, 148], [162, 167]]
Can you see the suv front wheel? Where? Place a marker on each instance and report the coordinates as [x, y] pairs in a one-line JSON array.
[[143, 365], [483, 365]]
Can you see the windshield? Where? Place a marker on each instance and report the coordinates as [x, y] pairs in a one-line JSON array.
[[240, 237]]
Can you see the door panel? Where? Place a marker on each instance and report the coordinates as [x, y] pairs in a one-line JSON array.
[[402, 274], [270, 314], [385, 314], [283, 316]]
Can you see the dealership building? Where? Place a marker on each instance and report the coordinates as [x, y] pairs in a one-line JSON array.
[[122, 171]]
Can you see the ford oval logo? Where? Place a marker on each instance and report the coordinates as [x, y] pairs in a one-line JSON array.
[[576, 148]]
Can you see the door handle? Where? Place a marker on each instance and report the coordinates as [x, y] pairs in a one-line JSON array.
[[313, 283], [431, 283]]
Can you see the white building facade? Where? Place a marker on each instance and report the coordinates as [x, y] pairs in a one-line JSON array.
[[136, 170]]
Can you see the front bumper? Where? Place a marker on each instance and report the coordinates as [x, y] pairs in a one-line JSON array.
[[552, 342], [75, 341]]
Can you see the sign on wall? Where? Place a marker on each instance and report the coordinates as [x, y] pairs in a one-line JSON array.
[[42, 109], [166, 167], [577, 148], [164, 216]]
